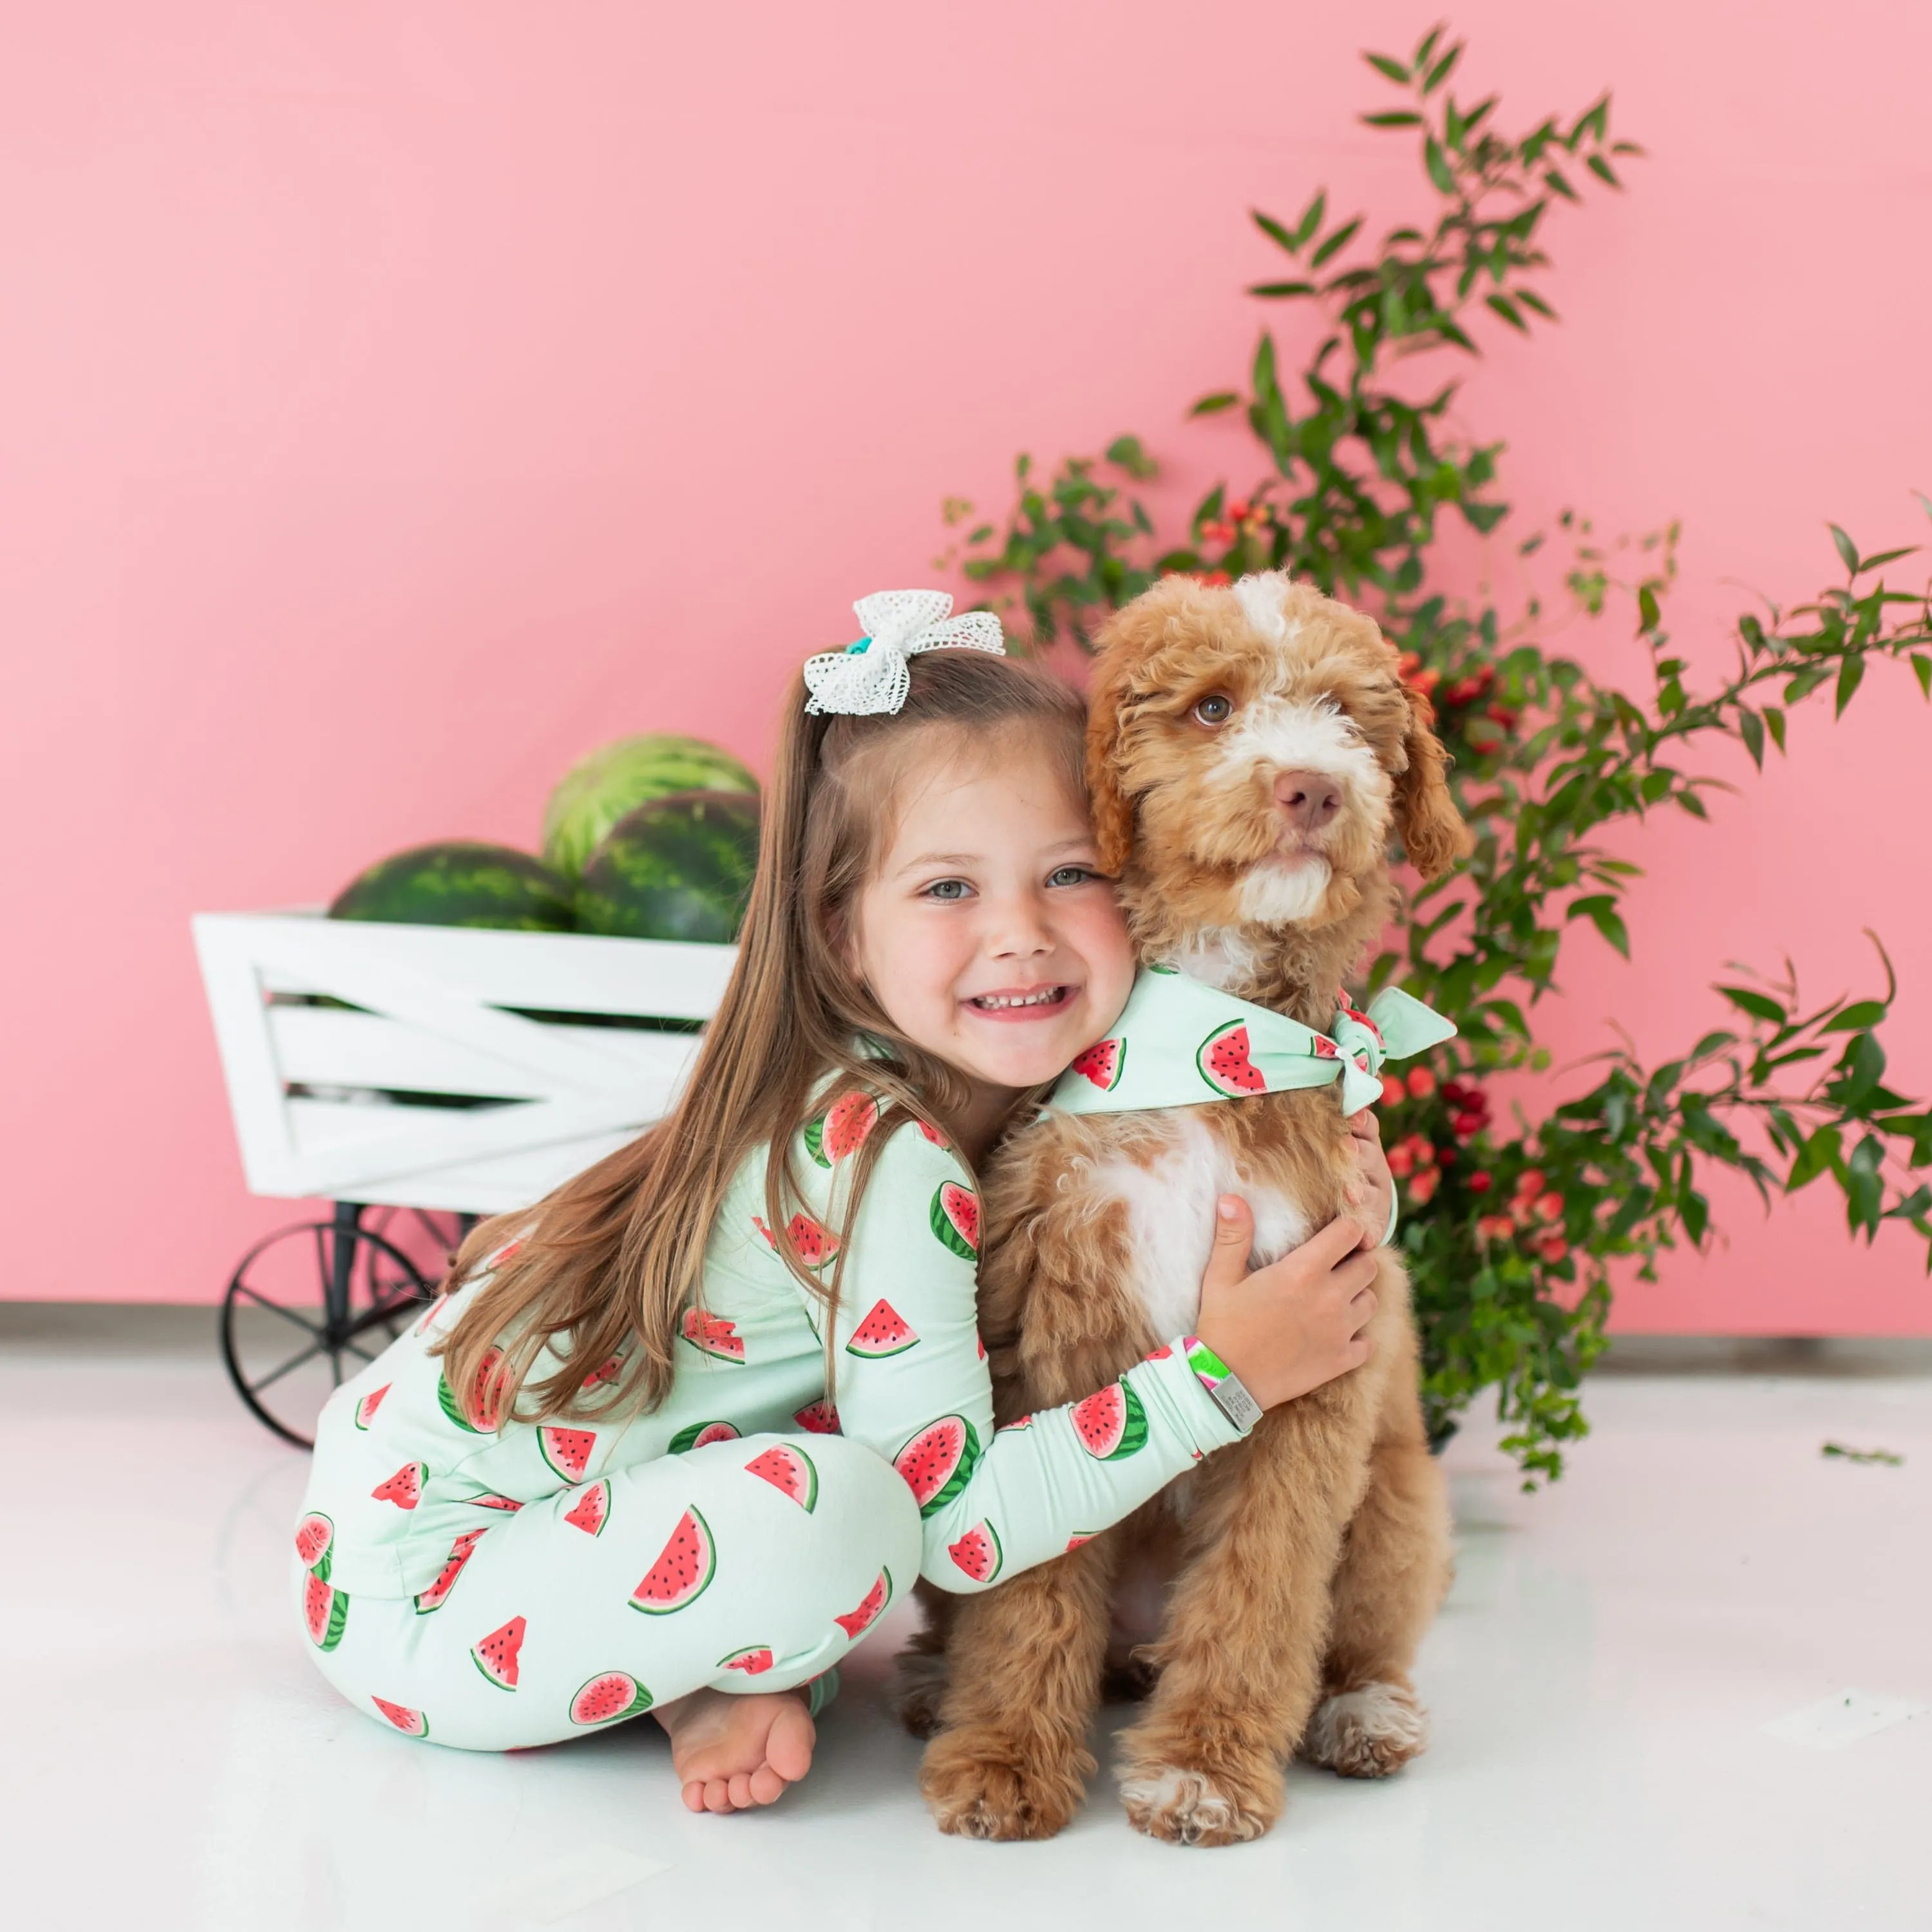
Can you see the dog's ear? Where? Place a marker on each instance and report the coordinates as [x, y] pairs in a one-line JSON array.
[[1113, 811], [1432, 830]]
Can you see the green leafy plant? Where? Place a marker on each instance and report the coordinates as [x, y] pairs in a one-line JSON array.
[[1509, 1234]]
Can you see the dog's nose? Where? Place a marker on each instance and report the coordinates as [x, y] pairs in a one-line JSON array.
[[1310, 799]]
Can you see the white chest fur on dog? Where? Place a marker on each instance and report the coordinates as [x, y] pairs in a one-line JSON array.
[[1170, 1205]]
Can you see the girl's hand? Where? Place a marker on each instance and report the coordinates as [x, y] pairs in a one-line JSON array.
[[1299, 1322], [1373, 1195]]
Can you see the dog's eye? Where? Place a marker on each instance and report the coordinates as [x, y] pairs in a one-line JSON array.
[[1216, 709]]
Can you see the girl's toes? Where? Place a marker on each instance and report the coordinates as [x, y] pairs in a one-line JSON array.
[[717, 1794], [694, 1795], [788, 1746], [740, 1790], [767, 1786]]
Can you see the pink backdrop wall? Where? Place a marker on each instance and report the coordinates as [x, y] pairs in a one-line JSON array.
[[400, 398]]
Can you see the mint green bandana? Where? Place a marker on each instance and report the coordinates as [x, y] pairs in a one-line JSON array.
[[1181, 1043]]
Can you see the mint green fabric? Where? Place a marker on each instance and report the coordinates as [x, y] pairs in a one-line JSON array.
[[1181, 1043]]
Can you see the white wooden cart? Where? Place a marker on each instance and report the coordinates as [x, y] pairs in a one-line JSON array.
[[417, 1077]]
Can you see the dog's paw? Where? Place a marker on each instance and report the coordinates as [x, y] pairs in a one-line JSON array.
[[980, 1782], [919, 1683], [1188, 1806], [1367, 1732]]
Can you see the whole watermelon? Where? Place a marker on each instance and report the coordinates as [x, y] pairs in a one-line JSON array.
[[460, 882], [678, 868], [599, 790]]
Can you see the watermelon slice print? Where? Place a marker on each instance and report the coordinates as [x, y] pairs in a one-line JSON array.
[[593, 1509], [699, 1434], [841, 1129], [496, 1655], [753, 1661], [683, 1570], [411, 1724], [481, 1415], [882, 1333], [933, 1134], [313, 1535], [712, 1335], [437, 1595], [1102, 1063], [493, 1502], [1223, 1061], [813, 1245], [365, 1409], [1018, 1422], [1325, 1049], [937, 1463], [568, 1450], [502, 1255], [817, 1418], [1161, 1354], [855, 1623], [1111, 1424], [1081, 1536], [954, 1216], [790, 1472], [608, 1697], [977, 1552], [606, 1371], [404, 1489], [325, 1611]]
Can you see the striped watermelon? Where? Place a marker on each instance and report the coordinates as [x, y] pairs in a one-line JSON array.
[[610, 1695], [460, 882], [325, 1611], [616, 778], [313, 1535], [841, 1129], [1112, 1423], [678, 868], [482, 1414], [936, 1463], [954, 1216], [701, 1434]]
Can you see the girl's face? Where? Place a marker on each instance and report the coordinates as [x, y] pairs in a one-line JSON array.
[[988, 935]]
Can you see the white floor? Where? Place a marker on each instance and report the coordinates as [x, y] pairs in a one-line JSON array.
[[1599, 1680]]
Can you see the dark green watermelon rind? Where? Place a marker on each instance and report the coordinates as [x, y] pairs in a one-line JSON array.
[[815, 1142], [573, 830], [678, 868], [338, 1621], [1134, 1431], [446, 1401], [638, 1704], [942, 1223], [460, 882]]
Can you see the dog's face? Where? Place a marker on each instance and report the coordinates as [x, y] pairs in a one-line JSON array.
[[1252, 750]]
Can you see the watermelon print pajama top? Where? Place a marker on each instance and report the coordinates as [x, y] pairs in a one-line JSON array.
[[489, 1584]]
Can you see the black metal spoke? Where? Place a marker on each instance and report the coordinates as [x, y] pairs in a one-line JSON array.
[[293, 1362], [277, 1308]]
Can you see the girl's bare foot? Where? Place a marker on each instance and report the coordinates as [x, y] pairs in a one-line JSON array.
[[732, 1752]]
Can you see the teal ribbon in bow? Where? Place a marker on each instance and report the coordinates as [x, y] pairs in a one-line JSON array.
[[1181, 1043]]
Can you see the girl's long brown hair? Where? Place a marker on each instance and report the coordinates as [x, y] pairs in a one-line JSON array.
[[618, 1251]]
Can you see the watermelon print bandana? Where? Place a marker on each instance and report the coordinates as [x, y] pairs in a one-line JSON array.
[[1181, 1043]]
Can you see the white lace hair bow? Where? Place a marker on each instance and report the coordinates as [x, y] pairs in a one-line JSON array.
[[869, 678]]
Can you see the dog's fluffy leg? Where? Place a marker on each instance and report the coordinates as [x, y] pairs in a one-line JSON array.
[[920, 1670], [1240, 1661], [1394, 1569], [1011, 1760]]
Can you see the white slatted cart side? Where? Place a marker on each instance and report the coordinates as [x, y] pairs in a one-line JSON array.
[[444, 1070]]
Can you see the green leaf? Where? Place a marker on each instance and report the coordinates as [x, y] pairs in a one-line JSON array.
[[1847, 550], [1648, 616], [1855, 1017], [1759, 1006], [1274, 231], [1922, 666], [1751, 728], [1602, 170], [1127, 453], [1437, 163], [1401, 118], [1849, 673], [1506, 309], [1393, 69], [1213, 405], [1335, 244], [1275, 291], [1305, 229], [1774, 720], [1440, 72], [1696, 1211]]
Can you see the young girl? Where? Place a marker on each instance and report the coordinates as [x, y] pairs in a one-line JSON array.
[[676, 1445]]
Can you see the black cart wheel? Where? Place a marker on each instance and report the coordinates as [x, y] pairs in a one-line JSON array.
[[316, 1303]]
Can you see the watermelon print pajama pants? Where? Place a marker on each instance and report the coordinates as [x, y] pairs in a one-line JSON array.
[[750, 1564]]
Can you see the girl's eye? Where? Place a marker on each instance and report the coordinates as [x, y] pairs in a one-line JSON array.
[[1215, 709], [947, 891], [1072, 875]]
